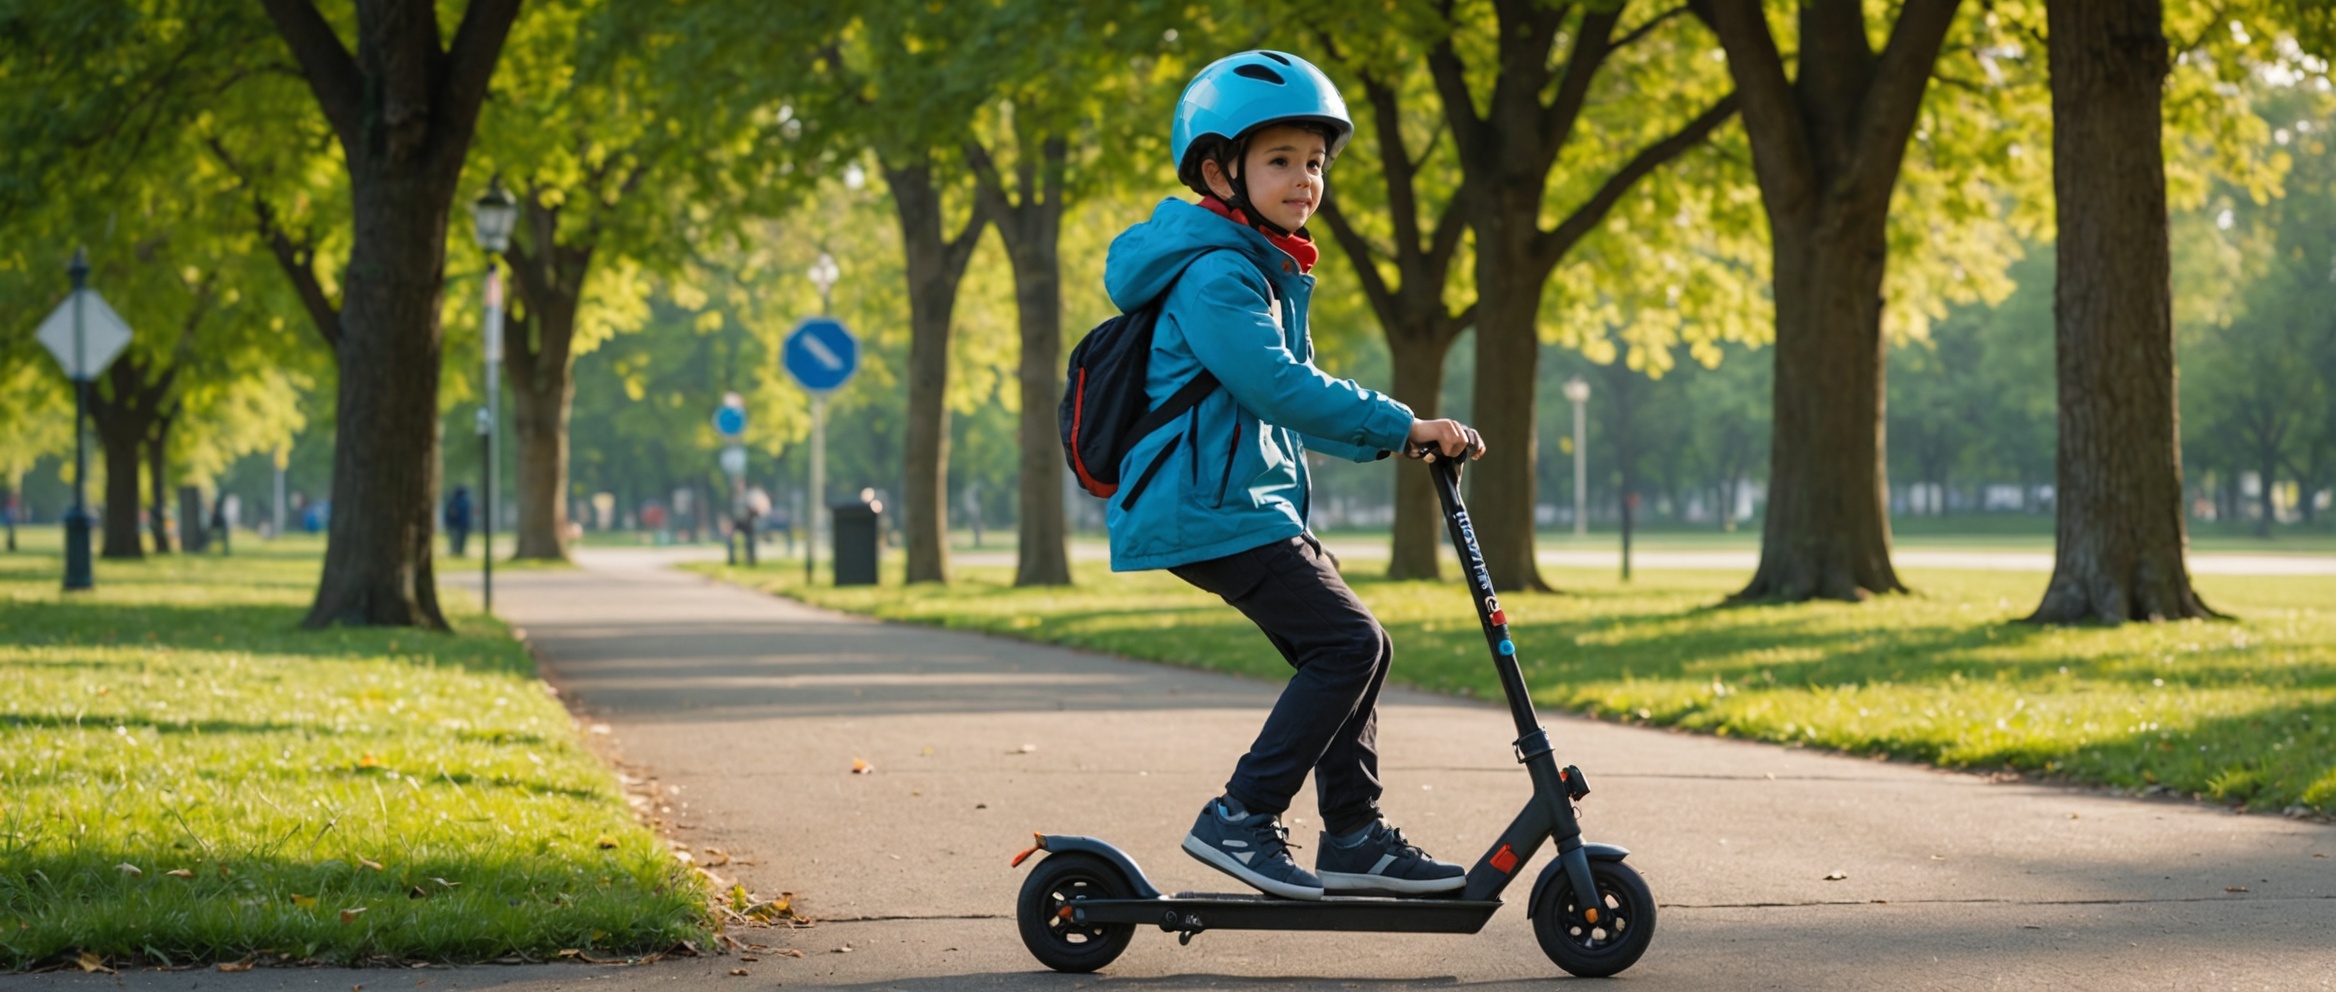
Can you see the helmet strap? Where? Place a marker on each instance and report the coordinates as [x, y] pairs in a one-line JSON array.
[[1240, 199]]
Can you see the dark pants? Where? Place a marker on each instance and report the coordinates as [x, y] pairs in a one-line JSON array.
[[457, 537], [1328, 717]]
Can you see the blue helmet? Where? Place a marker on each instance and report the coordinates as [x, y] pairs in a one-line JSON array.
[[1237, 93]]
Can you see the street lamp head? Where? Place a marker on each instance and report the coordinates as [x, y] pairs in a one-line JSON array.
[[824, 272], [1577, 390], [493, 215]]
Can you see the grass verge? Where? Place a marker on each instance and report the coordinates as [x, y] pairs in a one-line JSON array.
[[186, 777], [2242, 712]]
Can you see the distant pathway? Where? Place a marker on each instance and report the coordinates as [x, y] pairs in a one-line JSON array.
[[1745, 559]]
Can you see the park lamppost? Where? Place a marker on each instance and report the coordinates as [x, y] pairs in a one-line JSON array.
[[78, 574], [493, 215], [1579, 392], [823, 274]]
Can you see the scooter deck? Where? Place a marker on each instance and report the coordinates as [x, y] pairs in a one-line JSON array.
[[1192, 912]]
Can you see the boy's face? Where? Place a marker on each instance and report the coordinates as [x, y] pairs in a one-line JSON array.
[[1284, 166]]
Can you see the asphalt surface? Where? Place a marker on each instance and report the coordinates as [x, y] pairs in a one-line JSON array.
[[744, 715]]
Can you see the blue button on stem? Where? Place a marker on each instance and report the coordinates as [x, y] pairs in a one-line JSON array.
[[1508, 647]]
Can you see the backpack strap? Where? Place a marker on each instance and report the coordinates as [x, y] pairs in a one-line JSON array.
[[1191, 393], [1185, 398]]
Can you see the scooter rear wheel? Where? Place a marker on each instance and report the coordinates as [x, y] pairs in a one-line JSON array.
[[1044, 912], [1626, 922]]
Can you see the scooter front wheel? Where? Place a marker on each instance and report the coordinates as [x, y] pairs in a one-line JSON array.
[[1044, 913], [1626, 922]]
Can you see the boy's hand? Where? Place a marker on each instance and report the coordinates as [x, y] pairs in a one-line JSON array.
[[1449, 438]]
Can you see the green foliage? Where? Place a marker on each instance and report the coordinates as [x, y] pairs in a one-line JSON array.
[[2241, 712], [348, 796]]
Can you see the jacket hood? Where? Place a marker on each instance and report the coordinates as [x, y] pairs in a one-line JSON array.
[[1146, 259]]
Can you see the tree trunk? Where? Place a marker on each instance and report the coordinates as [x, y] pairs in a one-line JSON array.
[[378, 567], [1827, 146], [1827, 534], [121, 442], [158, 479], [541, 410], [541, 366], [1032, 230], [403, 110], [1506, 156], [1508, 357], [2120, 537], [124, 414], [2267, 500], [1419, 517], [935, 268]]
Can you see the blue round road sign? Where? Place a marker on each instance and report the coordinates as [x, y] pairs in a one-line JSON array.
[[821, 354], [730, 421]]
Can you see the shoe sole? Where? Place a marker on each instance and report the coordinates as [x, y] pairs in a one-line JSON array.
[[1204, 853], [1349, 883]]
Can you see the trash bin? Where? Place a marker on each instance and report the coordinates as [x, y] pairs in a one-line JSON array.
[[856, 526]]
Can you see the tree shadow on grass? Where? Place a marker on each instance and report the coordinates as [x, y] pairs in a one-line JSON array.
[[245, 628]]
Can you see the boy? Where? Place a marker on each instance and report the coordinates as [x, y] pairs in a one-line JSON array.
[[1219, 495]]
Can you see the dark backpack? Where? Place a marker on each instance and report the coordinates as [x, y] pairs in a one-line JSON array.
[[1103, 410]]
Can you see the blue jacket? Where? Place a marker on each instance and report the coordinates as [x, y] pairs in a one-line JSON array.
[[1231, 475]]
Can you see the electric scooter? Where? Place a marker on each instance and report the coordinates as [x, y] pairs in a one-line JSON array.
[[1592, 914]]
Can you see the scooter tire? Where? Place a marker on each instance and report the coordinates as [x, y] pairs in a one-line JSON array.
[[1043, 912], [1626, 923]]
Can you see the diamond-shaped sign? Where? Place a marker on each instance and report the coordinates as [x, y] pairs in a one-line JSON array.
[[103, 335]]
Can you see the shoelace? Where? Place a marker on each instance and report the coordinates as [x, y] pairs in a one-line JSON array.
[[1395, 840]]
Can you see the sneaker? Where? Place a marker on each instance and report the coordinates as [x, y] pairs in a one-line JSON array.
[[1383, 863], [1254, 848]]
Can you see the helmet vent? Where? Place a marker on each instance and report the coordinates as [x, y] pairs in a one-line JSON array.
[[1255, 71], [1276, 56]]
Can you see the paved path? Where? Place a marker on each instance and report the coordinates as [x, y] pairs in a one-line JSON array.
[[1747, 558], [748, 712]]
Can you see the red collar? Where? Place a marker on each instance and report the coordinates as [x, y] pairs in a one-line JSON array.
[[1295, 244]]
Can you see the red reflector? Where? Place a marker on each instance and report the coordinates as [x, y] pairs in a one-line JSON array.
[[1505, 859], [1500, 617]]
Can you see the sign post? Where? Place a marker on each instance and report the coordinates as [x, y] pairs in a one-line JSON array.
[[822, 355], [84, 334], [730, 422]]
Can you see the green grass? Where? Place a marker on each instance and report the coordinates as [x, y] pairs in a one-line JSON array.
[[344, 796], [2241, 711]]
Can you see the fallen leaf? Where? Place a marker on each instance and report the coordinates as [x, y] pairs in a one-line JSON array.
[[791, 952], [92, 961], [304, 902], [350, 915], [2073, 816], [1835, 876], [1025, 749], [129, 869], [2234, 888], [417, 893], [179, 873], [739, 972], [444, 882], [846, 949], [749, 960], [369, 862], [715, 858], [605, 842], [243, 965], [981, 805], [860, 766]]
